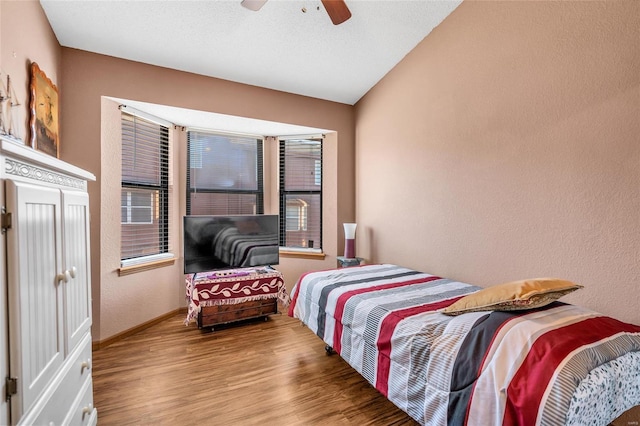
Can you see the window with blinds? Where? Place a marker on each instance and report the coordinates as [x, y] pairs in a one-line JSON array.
[[224, 174], [301, 193], [144, 214]]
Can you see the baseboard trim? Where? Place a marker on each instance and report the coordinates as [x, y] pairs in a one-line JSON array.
[[97, 345]]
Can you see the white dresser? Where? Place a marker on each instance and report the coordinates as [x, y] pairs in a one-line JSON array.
[[45, 225]]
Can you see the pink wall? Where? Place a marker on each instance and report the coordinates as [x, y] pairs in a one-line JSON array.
[[505, 146], [91, 142], [25, 36], [120, 303]]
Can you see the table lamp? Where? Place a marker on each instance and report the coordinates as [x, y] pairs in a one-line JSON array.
[[350, 240]]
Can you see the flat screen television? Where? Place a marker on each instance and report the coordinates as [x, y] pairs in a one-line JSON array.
[[223, 242]]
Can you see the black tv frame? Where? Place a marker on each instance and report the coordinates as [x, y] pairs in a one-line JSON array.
[[216, 242]]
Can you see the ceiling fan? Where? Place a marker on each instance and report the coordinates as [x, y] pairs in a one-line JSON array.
[[336, 9]]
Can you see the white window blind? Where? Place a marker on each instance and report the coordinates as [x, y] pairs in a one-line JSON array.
[[224, 174], [137, 207], [145, 188], [301, 193]]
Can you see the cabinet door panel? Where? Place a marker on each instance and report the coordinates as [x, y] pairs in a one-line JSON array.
[[76, 260], [35, 294]]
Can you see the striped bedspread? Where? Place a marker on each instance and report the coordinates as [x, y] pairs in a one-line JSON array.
[[561, 364]]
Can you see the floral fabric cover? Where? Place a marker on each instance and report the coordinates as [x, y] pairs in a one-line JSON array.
[[231, 287]]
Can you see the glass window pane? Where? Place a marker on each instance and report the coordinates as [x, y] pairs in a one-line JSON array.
[[293, 216], [306, 232], [222, 203], [223, 163], [224, 174], [142, 150], [140, 198], [301, 193], [141, 215], [145, 188], [303, 164]]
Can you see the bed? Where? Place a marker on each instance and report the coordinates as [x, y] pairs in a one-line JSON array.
[[553, 364]]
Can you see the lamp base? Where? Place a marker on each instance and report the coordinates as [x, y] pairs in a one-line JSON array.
[[349, 248]]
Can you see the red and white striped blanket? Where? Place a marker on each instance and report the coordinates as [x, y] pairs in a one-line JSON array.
[[561, 364]]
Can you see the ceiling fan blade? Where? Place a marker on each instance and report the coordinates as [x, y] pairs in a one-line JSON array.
[[337, 10], [254, 5]]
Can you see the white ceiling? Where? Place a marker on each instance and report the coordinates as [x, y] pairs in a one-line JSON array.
[[278, 47]]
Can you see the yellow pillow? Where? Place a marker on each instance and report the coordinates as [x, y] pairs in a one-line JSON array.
[[513, 296]]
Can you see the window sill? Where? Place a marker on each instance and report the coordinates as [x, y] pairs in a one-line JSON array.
[[302, 254], [133, 269]]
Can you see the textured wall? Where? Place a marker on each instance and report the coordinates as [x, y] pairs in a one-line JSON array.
[[25, 37], [506, 145], [91, 142], [120, 303]]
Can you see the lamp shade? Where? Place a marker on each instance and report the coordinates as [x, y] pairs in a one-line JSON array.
[[350, 230]]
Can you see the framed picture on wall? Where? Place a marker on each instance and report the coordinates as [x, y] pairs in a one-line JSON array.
[[44, 109]]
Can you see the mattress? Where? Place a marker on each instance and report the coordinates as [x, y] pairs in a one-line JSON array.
[[559, 364]]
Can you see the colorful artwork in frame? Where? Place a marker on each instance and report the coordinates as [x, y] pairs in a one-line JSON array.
[[44, 109]]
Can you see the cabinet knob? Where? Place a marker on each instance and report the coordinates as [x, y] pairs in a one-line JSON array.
[[64, 276], [87, 409], [85, 365], [73, 272]]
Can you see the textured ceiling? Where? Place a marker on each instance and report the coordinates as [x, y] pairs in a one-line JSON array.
[[278, 47]]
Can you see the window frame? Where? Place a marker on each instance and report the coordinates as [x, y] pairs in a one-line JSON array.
[[160, 194], [259, 191], [317, 169]]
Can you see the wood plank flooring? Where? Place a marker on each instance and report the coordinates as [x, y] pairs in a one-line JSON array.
[[273, 372]]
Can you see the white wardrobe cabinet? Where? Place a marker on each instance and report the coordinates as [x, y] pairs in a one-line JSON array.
[[45, 223]]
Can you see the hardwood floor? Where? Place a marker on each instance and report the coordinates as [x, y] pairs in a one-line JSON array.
[[273, 372]]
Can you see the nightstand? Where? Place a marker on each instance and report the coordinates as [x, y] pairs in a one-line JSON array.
[[345, 262]]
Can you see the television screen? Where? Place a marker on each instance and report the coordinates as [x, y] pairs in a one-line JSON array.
[[222, 242]]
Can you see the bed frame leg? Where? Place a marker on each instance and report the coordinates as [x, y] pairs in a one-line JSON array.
[[329, 350]]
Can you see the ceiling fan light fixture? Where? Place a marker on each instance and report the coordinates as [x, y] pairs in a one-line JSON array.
[[337, 11], [254, 5]]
